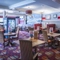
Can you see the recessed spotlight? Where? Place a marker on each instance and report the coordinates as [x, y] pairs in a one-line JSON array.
[[54, 0]]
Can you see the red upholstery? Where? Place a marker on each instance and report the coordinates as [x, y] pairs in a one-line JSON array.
[[37, 25], [51, 25]]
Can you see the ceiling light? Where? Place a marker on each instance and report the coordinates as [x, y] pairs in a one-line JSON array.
[[54, 0], [29, 7], [21, 17]]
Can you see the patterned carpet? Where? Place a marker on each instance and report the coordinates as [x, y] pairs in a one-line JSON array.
[[45, 53], [9, 53]]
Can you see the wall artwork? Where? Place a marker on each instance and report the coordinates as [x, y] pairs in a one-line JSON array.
[[48, 17], [54, 15]]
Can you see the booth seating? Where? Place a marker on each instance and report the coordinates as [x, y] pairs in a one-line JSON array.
[[51, 27], [37, 26]]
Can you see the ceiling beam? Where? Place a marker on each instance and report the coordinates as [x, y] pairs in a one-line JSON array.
[[25, 2]]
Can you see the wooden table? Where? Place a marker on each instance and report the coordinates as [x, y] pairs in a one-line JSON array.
[[9, 40], [53, 34], [34, 45], [37, 42], [9, 34]]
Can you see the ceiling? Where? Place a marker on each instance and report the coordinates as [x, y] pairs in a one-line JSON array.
[[34, 5]]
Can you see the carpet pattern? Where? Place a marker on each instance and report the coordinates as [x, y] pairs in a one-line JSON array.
[[9, 53], [47, 53], [44, 53]]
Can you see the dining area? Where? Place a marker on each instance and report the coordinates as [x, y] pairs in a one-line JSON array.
[[6, 38], [50, 41], [46, 35], [4, 48], [38, 31]]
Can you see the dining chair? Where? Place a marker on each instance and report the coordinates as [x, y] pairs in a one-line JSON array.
[[57, 41], [1, 37], [26, 50], [48, 41], [35, 34], [15, 37]]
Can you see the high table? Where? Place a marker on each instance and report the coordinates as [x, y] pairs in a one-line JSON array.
[[9, 34], [53, 34], [36, 42]]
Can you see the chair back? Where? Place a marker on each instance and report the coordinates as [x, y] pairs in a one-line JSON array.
[[15, 37], [35, 34], [30, 28], [26, 50], [45, 35], [1, 37], [17, 31]]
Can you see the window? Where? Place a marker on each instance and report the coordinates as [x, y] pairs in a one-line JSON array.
[[1, 20]]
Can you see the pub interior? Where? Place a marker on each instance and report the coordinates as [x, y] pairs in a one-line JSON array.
[[26, 34]]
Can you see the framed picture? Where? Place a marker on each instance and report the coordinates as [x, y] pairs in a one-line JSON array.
[[54, 15], [48, 17]]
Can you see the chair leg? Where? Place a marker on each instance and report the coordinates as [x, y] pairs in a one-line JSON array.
[[6, 43], [55, 44], [49, 44], [36, 58]]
